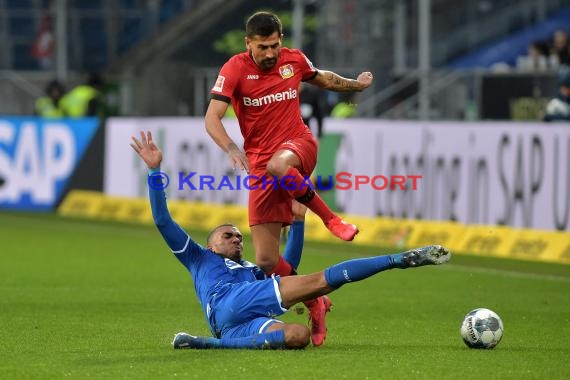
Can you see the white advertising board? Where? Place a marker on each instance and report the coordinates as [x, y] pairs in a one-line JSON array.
[[492, 173], [186, 148]]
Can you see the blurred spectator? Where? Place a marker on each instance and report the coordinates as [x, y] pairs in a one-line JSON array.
[[49, 106], [561, 46], [312, 107], [345, 108], [44, 42], [538, 49], [86, 99], [538, 57], [558, 109], [538, 53], [331, 99]]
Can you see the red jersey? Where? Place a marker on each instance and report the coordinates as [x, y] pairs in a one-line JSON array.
[[266, 103]]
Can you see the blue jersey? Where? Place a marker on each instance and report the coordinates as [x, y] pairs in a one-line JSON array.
[[210, 271]]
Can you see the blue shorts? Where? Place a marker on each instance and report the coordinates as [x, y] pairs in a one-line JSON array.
[[247, 308]]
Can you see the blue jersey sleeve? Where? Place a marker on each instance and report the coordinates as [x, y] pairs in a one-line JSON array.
[[177, 239], [294, 246]]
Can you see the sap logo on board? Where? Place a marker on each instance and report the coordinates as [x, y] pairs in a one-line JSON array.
[[37, 158], [37, 161]]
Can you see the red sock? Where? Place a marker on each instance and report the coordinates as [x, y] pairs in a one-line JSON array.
[[283, 268], [310, 303], [304, 194]]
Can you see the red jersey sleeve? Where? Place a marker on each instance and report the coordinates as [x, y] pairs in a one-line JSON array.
[[227, 81], [308, 71]]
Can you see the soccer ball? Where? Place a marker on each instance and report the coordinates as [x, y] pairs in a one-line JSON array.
[[482, 328]]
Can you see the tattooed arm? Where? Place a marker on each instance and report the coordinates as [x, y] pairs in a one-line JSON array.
[[334, 82]]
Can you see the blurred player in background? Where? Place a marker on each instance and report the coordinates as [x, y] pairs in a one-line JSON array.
[[85, 100], [49, 105], [558, 108], [262, 84], [240, 302]]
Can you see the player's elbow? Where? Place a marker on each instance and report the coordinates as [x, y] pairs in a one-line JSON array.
[[210, 123], [214, 116]]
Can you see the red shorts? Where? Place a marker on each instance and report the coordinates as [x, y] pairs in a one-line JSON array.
[[273, 204]]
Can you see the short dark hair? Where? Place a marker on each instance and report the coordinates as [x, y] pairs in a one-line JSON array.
[[211, 234], [263, 24]]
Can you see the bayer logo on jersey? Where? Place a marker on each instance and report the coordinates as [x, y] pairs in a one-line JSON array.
[[286, 71]]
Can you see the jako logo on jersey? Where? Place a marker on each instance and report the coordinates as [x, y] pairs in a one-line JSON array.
[[286, 71], [219, 84], [271, 98], [252, 76]]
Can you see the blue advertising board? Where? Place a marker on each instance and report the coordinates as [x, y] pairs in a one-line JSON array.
[[37, 158]]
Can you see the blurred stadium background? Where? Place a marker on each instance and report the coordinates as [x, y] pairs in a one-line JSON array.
[[436, 59], [459, 97]]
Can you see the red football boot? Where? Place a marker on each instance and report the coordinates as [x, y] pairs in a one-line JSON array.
[[318, 308], [341, 229]]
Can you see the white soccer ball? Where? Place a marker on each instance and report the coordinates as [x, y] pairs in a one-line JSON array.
[[482, 328]]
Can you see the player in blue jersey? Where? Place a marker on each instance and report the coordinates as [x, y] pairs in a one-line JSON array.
[[240, 302]]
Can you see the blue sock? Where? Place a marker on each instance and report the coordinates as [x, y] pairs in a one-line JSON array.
[[294, 247], [359, 269], [397, 261], [203, 342], [273, 339]]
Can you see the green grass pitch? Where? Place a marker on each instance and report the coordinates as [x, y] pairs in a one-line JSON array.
[[103, 300]]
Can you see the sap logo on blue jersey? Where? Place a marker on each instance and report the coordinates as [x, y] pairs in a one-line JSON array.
[[252, 76], [232, 264], [247, 264]]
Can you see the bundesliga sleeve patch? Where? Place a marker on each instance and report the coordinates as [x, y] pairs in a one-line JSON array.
[[219, 84], [310, 63]]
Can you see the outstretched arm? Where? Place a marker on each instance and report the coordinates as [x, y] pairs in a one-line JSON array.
[[334, 82], [176, 238], [214, 114]]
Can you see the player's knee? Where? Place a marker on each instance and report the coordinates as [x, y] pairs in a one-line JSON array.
[[297, 336], [277, 167], [267, 264]]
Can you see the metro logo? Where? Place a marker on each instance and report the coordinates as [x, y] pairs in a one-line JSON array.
[[271, 98]]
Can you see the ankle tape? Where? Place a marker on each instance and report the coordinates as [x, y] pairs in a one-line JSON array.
[[307, 197]]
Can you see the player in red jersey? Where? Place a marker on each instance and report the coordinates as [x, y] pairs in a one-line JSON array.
[[262, 84]]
